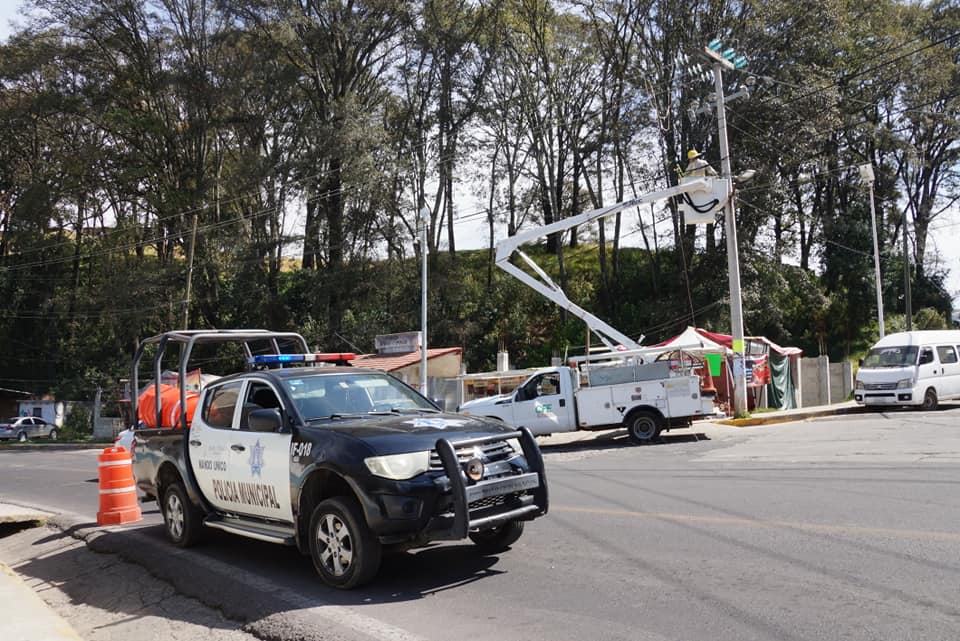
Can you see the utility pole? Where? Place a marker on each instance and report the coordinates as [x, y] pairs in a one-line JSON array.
[[729, 60], [908, 309], [424, 220], [193, 242], [866, 175]]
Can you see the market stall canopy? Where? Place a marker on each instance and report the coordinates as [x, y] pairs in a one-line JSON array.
[[693, 338]]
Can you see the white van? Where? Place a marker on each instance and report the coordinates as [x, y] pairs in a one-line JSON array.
[[911, 368]]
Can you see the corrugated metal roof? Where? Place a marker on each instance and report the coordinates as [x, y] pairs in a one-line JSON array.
[[393, 362]]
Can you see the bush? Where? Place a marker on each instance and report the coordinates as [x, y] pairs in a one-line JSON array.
[[77, 424]]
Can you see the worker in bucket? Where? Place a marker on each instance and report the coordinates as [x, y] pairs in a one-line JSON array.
[[698, 167]]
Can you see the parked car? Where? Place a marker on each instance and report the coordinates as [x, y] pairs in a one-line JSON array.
[[26, 427]]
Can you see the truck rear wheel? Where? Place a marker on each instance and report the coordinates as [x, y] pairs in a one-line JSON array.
[[497, 539], [643, 427], [181, 518], [345, 552]]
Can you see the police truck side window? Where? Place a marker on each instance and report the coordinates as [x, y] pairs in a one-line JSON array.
[[220, 405]]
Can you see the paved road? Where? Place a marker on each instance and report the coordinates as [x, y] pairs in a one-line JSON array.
[[840, 528]]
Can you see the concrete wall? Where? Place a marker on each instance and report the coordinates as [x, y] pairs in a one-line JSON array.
[[841, 381], [107, 427], [823, 382], [815, 381]]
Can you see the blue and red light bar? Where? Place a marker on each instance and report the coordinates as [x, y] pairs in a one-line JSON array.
[[342, 358]]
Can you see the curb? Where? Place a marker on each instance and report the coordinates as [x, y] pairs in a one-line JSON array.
[[36, 619], [774, 418], [54, 447]]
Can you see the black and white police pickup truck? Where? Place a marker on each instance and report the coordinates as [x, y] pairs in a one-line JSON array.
[[338, 461]]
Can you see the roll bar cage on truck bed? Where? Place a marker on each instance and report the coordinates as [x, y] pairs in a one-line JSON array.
[[189, 338], [715, 191]]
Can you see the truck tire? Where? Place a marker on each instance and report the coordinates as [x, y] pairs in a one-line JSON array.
[[497, 539], [181, 518], [345, 552], [643, 427], [930, 401]]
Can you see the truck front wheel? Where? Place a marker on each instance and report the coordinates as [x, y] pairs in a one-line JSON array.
[[345, 552], [497, 539], [181, 518], [643, 427]]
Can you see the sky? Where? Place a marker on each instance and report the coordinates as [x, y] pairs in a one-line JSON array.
[[944, 237]]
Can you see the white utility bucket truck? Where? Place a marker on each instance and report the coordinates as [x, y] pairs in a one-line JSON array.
[[632, 388]]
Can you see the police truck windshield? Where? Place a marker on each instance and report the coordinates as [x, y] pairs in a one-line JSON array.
[[897, 356], [333, 395]]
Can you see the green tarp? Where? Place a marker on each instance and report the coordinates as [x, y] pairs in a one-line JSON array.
[[781, 392]]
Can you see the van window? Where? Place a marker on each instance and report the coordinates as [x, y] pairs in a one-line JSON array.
[[946, 354], [926, 355]]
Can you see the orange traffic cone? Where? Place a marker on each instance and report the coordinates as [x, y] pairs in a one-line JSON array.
[[118, 490], [706, 382]]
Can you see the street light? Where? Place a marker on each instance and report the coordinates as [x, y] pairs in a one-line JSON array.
[[866, 175], [424, 220]]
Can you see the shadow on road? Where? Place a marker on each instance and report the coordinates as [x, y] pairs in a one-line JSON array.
[[619, 439], [124, 594]]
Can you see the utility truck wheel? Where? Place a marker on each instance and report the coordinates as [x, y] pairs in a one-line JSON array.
[[497, 539], [930, 400], [345, 552], [643, 427], [181, 518]]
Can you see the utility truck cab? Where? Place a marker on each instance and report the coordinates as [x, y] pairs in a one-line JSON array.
[[644, 397], [918, 368]]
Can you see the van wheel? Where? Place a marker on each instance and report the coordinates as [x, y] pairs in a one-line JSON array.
[[344, 550], [643, 427], [929, 400]]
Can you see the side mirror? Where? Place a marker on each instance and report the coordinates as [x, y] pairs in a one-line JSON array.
[[440, 402], [265, 420]]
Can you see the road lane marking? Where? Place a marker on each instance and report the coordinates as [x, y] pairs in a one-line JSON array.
[[762, 523]]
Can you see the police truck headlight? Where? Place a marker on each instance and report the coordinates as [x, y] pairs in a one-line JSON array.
[[399, 467], [905, 383]]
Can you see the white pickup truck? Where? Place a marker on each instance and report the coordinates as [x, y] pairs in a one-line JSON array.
[[644, 398]]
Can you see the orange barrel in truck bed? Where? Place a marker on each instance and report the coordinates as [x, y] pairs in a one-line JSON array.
[[169, 406]]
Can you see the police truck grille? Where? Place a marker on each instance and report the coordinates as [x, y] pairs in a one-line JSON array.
[[492, 452], [490, 501]]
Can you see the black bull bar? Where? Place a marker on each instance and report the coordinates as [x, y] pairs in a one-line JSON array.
[[533, 482]]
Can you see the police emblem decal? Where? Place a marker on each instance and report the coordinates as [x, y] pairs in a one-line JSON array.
[[256, 459]]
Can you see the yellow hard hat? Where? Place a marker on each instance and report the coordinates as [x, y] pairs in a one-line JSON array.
[[693, 153]]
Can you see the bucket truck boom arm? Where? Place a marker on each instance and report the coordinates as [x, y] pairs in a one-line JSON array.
[[718, 189]]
